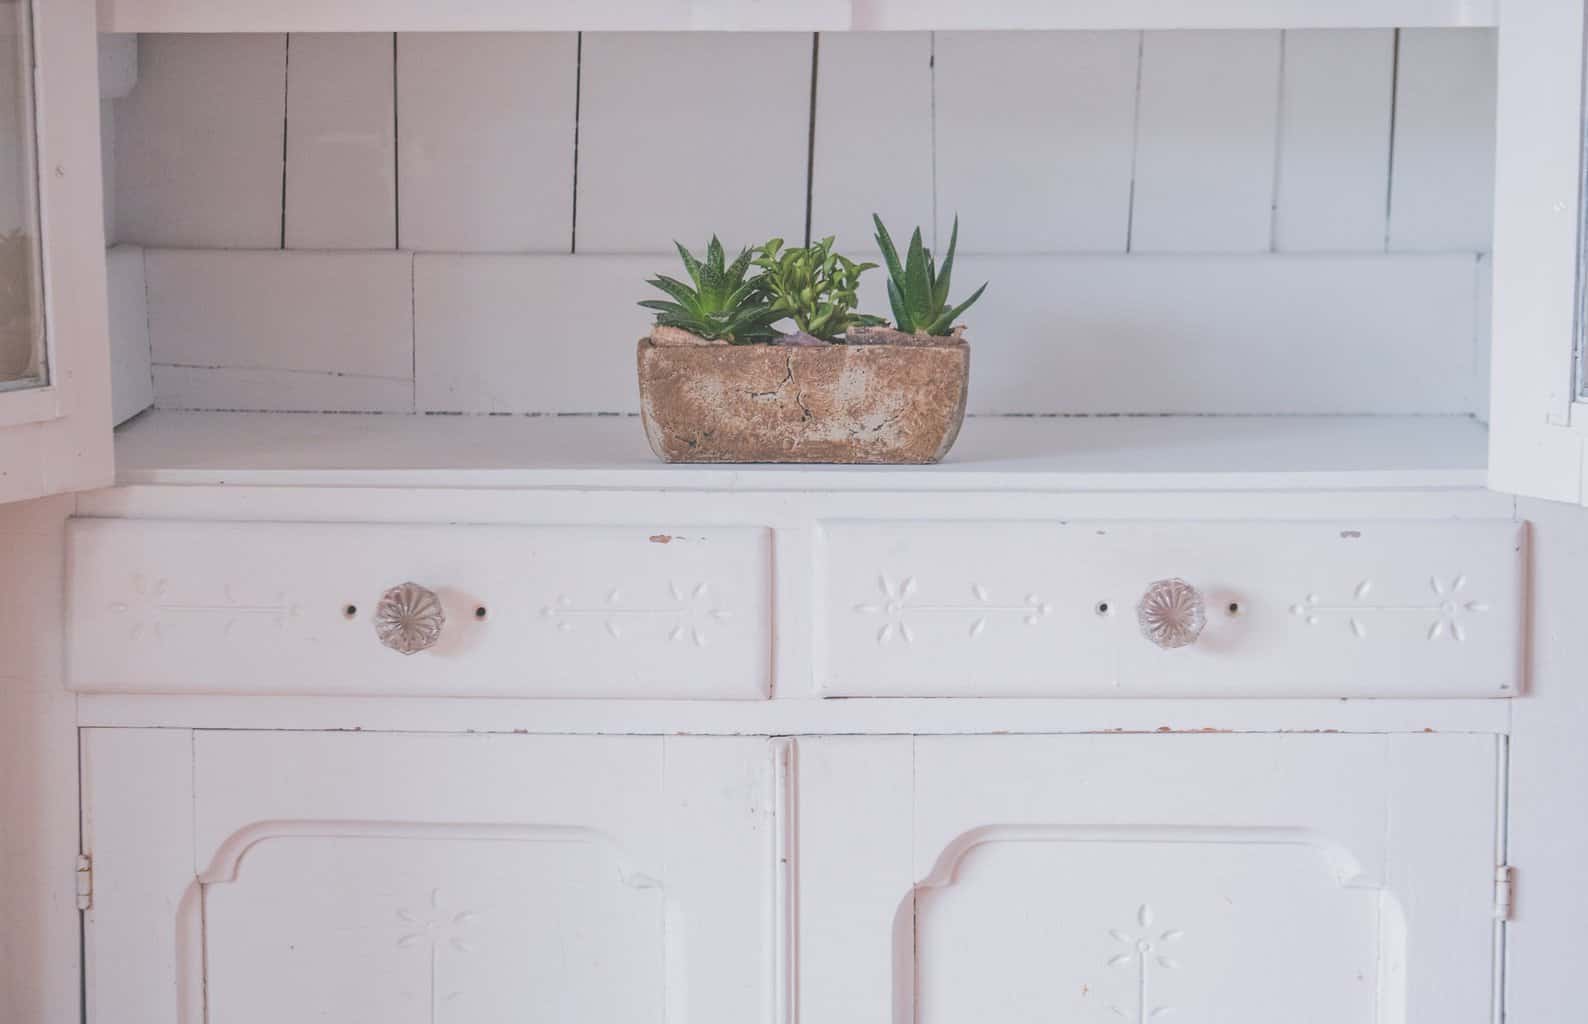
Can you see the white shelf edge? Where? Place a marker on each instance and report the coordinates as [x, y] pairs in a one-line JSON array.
[[779, 15], [994, 454]]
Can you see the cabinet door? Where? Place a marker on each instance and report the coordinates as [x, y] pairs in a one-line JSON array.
[[1539, 407], [1186, 878], [54, 352], [269, 877]]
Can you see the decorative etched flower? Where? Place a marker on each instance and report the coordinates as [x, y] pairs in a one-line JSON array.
[[892, 609], [1144, 944], [408, 618], [1171, 613], [695, 613], [435, 926], [1451, 608]]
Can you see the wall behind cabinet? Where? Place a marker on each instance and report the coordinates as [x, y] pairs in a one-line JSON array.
[[1096, 174]]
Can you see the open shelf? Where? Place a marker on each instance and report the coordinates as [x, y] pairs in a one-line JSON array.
[[775, 15], [993, 454]]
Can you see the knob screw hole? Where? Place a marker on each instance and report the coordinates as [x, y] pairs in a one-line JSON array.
[[350, 611], [480, 613], [1234, 608], [1102, 607]]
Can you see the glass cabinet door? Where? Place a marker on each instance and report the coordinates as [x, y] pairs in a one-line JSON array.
[[54, 345], [24, 361]]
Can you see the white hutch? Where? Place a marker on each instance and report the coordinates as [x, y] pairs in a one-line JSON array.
[[315, 304]]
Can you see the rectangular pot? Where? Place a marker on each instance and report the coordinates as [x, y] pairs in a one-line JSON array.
[[851, 404]]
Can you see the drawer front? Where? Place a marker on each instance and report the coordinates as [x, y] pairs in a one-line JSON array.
[[543, 611], [1375, 609]]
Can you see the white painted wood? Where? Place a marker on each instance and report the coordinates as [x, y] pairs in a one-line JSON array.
[[653, 611], [1549, 761], [118, 65], [993, 454], [144, 927], [829, 15], [1442, 185], [1206, 133], [1334, 140], [281, 331], [529, 333], [107, 164], [40, 950], [1221, 334], [1537, 227], [485, 143], [1036, 133], [1483, 339], [57, 439], [199, 142], [856, 798], [1228, 334], [131, 383], [1085, 875], [585, 899], [873, 143], [645, 177], [791, 716], [341, 152], [1341, 609]]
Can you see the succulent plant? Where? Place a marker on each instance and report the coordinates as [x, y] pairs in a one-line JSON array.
[[917, 290], [723, 304], [814, 286]]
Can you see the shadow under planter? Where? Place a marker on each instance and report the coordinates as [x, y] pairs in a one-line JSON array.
[[852, 404]]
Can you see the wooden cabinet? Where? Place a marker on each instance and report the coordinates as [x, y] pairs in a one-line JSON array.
[[264, 876], [1233, 878], [278, 876]]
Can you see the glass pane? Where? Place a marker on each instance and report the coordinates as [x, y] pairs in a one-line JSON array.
[[22, 351]]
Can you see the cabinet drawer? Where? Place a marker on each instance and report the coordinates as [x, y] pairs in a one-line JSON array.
[[541, 611], [1373, 609]]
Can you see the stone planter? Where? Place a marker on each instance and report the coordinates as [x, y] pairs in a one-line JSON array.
[[859, 404]]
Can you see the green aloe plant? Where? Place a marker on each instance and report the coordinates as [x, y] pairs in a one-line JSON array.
[[724, 304], [814, 286], [917, 290]]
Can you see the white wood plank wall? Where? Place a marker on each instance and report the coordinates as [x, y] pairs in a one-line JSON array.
[[1192, 198]]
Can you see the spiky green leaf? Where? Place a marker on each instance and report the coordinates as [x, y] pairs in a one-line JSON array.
[[944, 323]]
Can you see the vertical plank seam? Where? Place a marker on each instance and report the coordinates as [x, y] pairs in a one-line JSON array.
[[931, 92], [785, 893], [1389, 170], [578, 87], [1279, 146], [1135, 141], [413, 331], [396, 157], [286, 100], [810, 138]]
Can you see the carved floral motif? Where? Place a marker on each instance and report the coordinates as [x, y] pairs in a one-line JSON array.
[[898, 605], [1146, 950], [1447, 610], [690, 613], [434, 929], [150, 611]]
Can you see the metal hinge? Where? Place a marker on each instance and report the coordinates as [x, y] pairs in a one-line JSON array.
[[1504, 892], [85, 881]]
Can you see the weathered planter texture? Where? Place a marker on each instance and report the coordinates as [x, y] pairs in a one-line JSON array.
[[862, 404]]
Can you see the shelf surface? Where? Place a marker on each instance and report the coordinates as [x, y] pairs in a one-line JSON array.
[[993, 454], [776, 15]]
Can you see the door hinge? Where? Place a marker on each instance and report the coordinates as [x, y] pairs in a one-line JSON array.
[[85, 881], [1504, 892]]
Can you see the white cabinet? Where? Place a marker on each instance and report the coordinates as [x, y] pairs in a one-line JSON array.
[[267, 877], [1240, 879]]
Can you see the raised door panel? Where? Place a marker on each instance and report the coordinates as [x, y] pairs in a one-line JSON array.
[[544, 611], [439, 878], [1238, 879], [1373, 609]]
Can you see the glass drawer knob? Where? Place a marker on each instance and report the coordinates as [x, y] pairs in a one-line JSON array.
[[408, 618], [1171, 614]]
